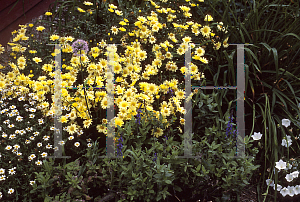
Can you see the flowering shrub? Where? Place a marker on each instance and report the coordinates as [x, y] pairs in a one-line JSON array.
[[147, 55], [149, 81]]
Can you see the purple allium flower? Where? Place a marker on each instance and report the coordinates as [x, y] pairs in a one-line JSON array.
[[79, 45]]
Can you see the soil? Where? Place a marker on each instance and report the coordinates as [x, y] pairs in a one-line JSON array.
[[249, 194]]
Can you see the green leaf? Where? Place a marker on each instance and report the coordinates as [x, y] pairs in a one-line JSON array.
[[246, 182], [177, 188], [168, 182], [124, 168], [267, 46], [255, 58], [158, 197], [198, 168], [47, 199]]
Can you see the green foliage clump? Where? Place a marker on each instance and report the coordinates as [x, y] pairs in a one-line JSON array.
[[140, 176]]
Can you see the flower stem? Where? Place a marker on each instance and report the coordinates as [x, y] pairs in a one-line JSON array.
[[85, 92]]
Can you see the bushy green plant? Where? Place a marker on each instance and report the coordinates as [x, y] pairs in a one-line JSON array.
[[78, 179], [142, 176], [215, 166]]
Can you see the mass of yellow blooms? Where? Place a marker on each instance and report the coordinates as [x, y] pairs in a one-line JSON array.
[[130, 88]]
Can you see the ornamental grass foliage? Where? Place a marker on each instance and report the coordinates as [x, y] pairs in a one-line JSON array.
[[151, 39], [271, 95]]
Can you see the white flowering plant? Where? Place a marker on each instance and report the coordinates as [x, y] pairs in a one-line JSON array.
[[288, 184], [25, 140]]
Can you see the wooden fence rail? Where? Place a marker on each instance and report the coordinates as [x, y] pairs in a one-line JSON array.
[[20, 14]]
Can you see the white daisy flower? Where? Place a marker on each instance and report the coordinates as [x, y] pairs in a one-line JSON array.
[[44, 154], [39, 163], [11, 191]]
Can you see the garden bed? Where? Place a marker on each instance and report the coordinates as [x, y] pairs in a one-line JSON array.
[[152, 131]]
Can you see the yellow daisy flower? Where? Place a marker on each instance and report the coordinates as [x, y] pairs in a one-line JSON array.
[[37, 60], [87, 3], [112, 6], [48, 13], [200, 51], [204, 60], [152, 39], [187, 15], [225, 44], [118, 122], [208, 18], [122, 29], [155, 28], [72, 129], [184, 8], [217, 45], [123, 104], [54, 37], [87, 123], [114, 30], [180, 51], [120, 13], [187, 39], [40, 28], [142, 55], [205, 31], [69, 38], [1, 49], [80, 10], [122, 23], [158, 132]]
